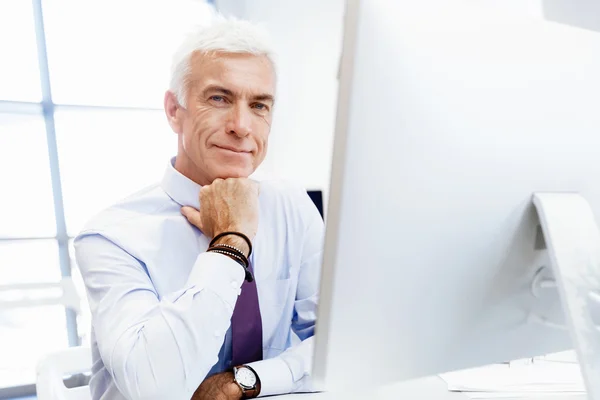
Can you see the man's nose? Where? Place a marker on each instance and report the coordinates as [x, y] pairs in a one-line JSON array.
[[240, 121]]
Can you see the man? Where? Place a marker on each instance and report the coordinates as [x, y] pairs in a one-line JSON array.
[[167, 319]]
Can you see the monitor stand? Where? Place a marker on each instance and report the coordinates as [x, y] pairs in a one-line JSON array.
[[573, 241]]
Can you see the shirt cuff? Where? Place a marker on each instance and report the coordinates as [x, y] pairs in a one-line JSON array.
[[275, 376], [218, 273]]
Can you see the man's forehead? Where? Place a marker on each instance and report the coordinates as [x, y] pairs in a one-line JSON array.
[[239, 73], [249, 73]]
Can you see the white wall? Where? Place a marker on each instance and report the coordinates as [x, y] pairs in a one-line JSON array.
[[307, 37]]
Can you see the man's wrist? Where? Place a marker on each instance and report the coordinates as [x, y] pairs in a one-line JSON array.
[[235, 241], [235, 246], [231, 388]]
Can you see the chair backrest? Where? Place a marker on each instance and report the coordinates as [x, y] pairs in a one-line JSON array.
[[52, 369]]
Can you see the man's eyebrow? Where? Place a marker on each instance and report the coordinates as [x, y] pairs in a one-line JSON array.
[[264, 97], [218, 89], [227, 92]]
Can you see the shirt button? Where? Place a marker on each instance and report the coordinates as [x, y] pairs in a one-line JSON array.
[[217, 333], [235, 285]]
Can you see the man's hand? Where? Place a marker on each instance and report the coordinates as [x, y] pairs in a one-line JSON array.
[[227, 205], [218, 387]]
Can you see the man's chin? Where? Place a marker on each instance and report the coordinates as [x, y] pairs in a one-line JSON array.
[[233, 173]]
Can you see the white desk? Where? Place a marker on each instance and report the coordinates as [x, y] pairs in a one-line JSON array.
[[430, 388]]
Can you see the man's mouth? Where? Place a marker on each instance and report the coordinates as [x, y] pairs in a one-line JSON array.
[[233, 149]]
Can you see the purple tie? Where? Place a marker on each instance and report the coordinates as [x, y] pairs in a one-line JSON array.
[[246, 326]]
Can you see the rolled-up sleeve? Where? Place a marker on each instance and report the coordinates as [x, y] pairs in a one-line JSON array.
[[156, 347]]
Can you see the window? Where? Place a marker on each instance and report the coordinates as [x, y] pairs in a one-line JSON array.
[[115, 52], [106, 155], [19, 72], [26, 204], [97, 135], [29, 261]]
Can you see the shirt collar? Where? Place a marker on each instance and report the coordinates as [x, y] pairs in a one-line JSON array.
[[180, 188]]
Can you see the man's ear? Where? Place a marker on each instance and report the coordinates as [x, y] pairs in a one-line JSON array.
[[174, 112]]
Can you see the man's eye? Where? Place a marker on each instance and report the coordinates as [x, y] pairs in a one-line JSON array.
[[260, 106], [217, 98]]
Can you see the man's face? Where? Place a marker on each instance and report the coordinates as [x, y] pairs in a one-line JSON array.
[[224, 129]]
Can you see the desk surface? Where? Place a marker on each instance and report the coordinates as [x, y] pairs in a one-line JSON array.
[[420, 389]]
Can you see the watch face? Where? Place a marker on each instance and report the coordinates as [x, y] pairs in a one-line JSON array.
[[245, 377]]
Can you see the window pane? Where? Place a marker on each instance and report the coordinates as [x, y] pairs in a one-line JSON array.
[[26, 204], [28, 334], [29, 261], [19, 72], [105, 155], [121, 52]]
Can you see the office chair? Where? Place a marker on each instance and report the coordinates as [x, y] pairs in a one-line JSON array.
[[52, 369]]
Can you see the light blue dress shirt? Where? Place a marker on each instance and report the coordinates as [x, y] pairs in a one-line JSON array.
[[161, 306]]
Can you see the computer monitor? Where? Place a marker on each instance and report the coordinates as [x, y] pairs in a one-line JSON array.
[[451, 115]]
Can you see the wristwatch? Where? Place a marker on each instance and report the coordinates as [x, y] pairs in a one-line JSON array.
[[247, 380]]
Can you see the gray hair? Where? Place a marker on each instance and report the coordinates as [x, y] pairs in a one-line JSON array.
[[227, 35]]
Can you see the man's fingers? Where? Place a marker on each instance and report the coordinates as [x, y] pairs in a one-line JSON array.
[[192, 215]]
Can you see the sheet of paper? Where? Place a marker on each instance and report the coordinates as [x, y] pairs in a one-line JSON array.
[[543, 376], [526, 395]]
